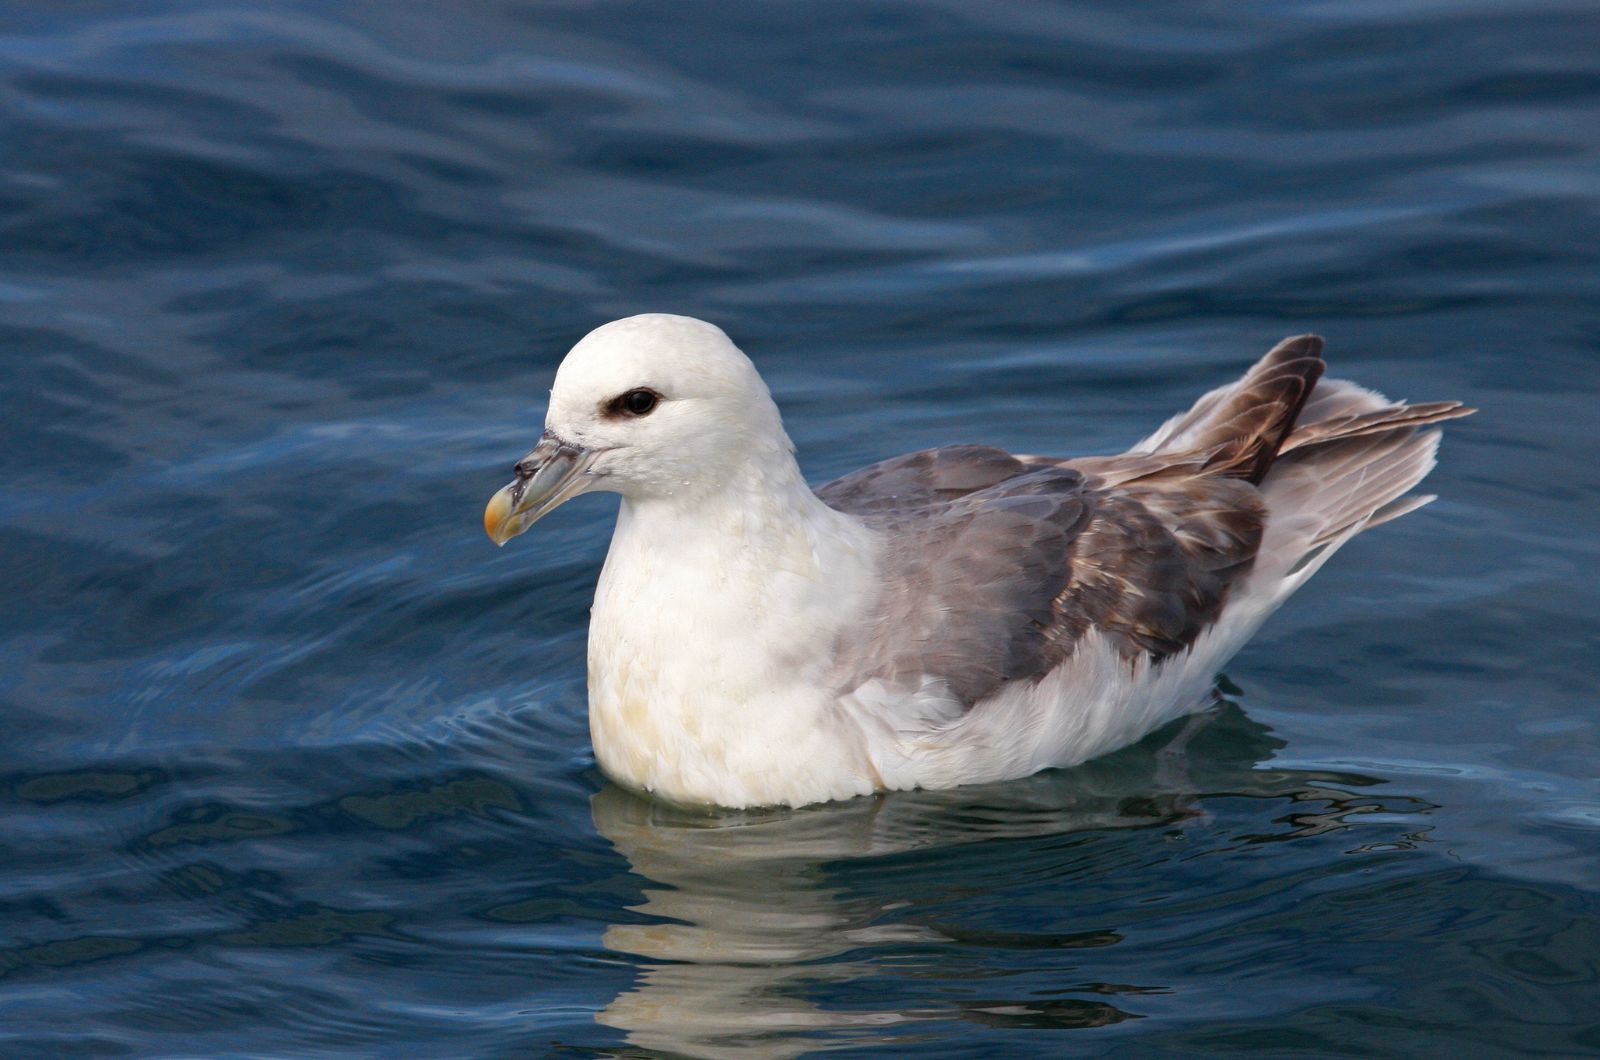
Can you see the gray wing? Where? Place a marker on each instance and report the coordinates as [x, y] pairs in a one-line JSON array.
[[997, 567], [920, 479]]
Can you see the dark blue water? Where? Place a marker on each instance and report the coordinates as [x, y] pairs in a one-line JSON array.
[[295, 763]]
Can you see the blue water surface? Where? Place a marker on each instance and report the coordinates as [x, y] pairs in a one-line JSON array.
[[295, 763]]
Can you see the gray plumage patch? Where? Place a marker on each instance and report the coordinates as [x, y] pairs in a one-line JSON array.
[[997, 567]]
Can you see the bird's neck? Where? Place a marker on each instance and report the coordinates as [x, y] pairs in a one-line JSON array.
[[715, 621], [758, 549]]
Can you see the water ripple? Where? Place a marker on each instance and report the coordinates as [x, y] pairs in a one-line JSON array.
[[297, 764]]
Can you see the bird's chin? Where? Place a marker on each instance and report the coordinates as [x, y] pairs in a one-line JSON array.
[[549, 476]]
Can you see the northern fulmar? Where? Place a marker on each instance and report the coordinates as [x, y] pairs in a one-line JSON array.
[[949, 616]]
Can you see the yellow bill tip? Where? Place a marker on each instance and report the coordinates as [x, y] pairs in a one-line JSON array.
[[497, 516]]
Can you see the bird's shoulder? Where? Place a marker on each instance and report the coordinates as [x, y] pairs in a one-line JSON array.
[[925, 479]]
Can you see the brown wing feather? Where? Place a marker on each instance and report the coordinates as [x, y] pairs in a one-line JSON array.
[[1244, 432], [990, 578], [1153, 568]]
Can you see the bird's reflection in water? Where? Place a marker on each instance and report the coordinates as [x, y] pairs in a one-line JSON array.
[[754, 915]]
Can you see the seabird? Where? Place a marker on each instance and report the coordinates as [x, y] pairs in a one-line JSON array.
[[950, 616]]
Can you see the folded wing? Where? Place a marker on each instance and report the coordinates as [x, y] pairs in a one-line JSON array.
[[997, 567], [995, 570]]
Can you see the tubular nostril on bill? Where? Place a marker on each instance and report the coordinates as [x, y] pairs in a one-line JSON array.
[[526, 468]]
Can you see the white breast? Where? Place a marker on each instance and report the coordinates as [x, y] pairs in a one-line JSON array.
[[712, 632]]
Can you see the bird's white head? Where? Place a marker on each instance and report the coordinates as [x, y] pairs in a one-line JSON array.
[[649, 406]]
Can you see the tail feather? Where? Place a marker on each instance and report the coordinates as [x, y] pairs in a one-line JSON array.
[[1334, 398], [1331, 488], [1399, 506], [1349, 465], [1388, 418], [1331, 458]]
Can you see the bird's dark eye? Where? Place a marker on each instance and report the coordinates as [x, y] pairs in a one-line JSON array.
[[639, 402]]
